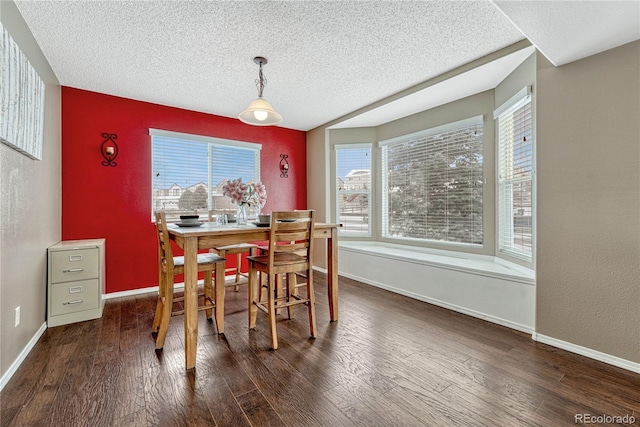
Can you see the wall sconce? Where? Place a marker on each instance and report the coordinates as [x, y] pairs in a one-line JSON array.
[[284, 166], [109, 149]]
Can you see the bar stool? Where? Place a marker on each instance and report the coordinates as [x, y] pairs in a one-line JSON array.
[[168, 267], [290, 251]]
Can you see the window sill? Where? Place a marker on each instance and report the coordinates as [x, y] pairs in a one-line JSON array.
[[469, 263]]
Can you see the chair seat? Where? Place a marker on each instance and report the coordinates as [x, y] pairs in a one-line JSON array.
[[202, 259]]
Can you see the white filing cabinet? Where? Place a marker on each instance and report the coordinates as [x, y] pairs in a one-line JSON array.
[[75, 281]]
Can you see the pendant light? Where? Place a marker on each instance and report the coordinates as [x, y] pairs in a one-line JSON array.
[[260, 112]]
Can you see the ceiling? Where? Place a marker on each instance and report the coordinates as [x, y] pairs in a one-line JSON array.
[[326, 58]]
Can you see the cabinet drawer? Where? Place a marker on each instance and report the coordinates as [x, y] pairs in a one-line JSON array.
[[79, 264], [74, 296]]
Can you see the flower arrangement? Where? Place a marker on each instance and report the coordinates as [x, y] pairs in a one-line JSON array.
[[246, 194]]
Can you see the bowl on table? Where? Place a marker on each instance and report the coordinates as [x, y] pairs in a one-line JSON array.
[[231, 217], [264, 218], [189, 219]]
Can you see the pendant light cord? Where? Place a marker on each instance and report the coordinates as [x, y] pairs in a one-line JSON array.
[[261, 82]]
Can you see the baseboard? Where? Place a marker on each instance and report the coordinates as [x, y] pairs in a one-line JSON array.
[[23, 354], [587, 352], [132, 292], [135, 292], [321, 270], [443, 304]]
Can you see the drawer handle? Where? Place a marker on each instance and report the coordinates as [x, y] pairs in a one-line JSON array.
[[73, 270], [75, 289], [75, 301], [73, 258]]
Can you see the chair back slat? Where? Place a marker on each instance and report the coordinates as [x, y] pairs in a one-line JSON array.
[[295, 247], [292, 236], [165, 252]]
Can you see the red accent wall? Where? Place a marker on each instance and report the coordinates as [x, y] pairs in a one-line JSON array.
[[115, 202]]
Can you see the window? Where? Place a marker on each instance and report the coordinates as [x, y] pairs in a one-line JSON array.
[[353, 193], [515, 176], [432, 184], [190, 170]]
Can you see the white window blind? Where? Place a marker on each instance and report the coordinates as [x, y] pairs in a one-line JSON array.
[[353, 193], [515, 177], [432, 184], [188, 171]]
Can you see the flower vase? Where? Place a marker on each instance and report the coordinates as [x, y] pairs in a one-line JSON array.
[[241, 215]]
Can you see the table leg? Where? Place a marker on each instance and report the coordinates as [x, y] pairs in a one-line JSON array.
[[190, 300], [332, 273], [220, 291]]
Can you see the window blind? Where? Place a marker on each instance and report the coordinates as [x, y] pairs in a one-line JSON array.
[[515, 179], [188, 171], [432, 184], [353, 192]]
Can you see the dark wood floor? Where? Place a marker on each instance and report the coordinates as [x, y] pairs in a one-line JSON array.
[[388, 361]]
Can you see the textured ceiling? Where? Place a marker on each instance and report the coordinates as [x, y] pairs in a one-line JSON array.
[[566, 31], [326, 58]]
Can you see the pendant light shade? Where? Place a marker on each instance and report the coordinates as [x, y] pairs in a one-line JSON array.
[[260, 112]]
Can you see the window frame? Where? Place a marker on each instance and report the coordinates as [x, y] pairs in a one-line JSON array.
[[210, 142]]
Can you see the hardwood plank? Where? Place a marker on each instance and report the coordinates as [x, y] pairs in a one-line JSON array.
[[135, 419], [68, 407], [366, 407], [7, 416], [222, 403], [258, 410], [172, 398]]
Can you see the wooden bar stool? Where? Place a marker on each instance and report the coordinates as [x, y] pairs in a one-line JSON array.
[[290, 251], [168, 267], [238, 250]]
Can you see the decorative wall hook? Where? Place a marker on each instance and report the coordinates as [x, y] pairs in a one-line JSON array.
[[109, 149], [284, 166]]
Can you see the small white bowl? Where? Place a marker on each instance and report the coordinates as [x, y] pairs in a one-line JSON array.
[[264, 218], [189, 219]]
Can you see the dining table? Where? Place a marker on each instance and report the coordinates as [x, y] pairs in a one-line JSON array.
[[209, 235]]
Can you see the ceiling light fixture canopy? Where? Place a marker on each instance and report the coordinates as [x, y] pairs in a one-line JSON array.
[[260, 112]]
